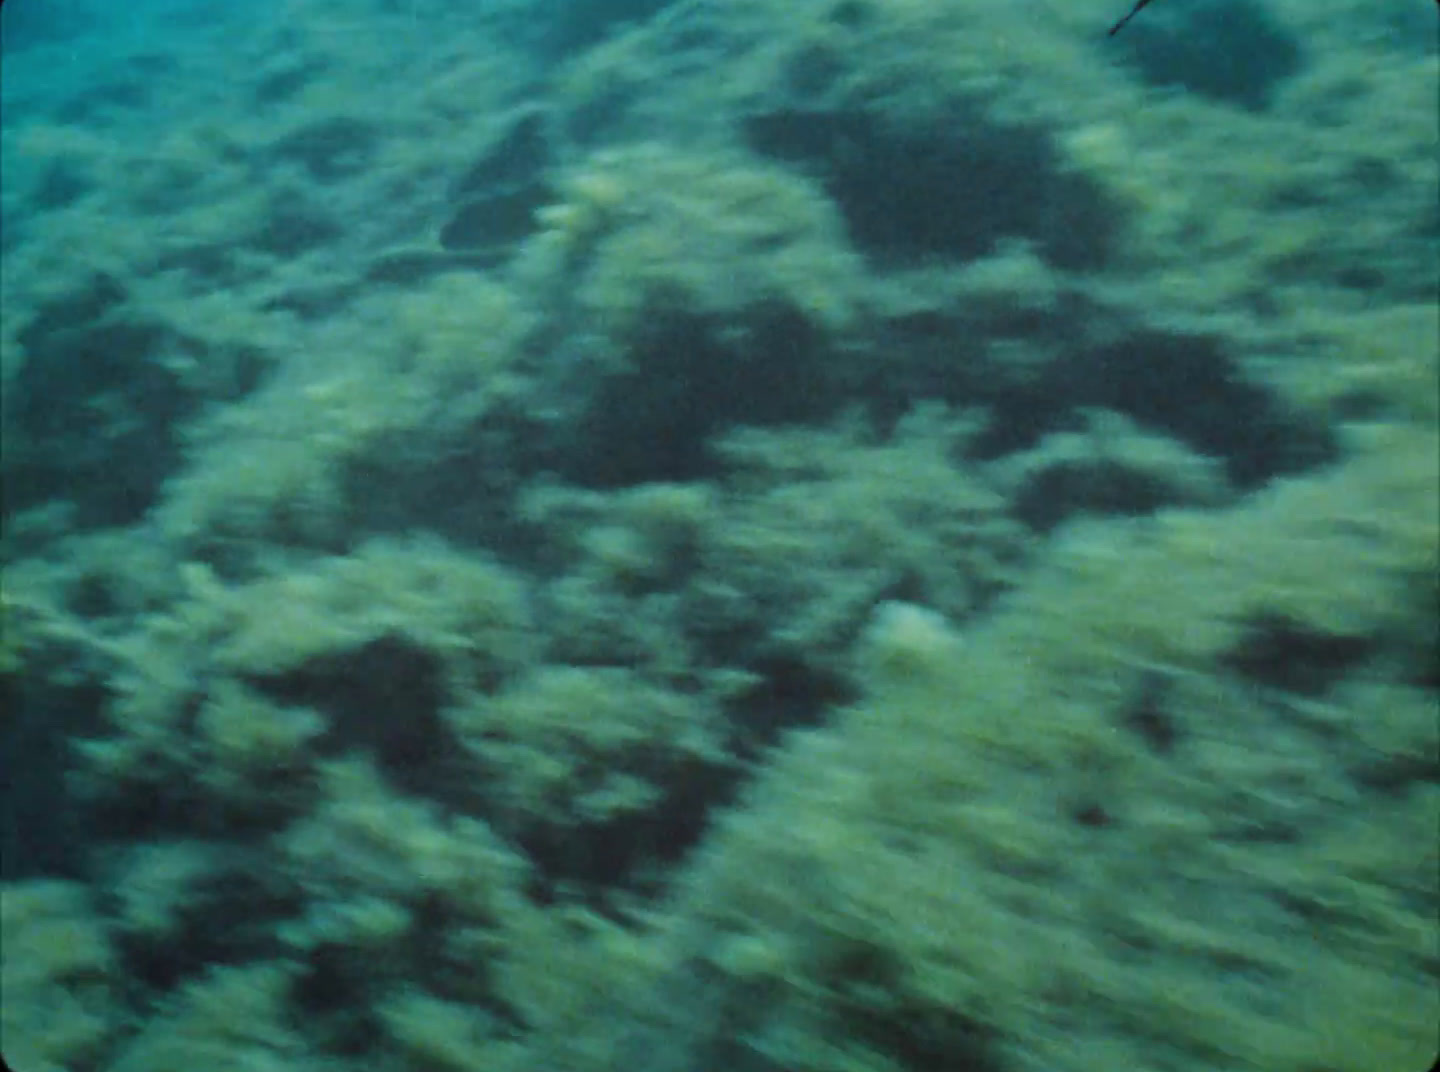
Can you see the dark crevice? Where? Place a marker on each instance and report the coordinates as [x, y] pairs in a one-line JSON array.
[[1290, 656], [95, 408], [386, 697], [909, 196], [1226, 50], [1183, 386], [655, 423]]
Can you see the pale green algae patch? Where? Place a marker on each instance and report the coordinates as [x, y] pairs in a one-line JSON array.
[[59, 977], [605, 583], [1065, 836]]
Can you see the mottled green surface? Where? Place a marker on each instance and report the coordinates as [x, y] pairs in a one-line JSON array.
[[847, 536]]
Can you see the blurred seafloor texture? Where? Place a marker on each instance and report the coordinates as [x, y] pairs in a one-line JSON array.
[[746, 536]]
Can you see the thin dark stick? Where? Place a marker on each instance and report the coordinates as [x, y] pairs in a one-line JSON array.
[[1132, 13]]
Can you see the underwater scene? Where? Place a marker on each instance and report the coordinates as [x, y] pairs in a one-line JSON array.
[[720, 535]]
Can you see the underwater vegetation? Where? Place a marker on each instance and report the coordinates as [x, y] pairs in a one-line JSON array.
[[844, 536]]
